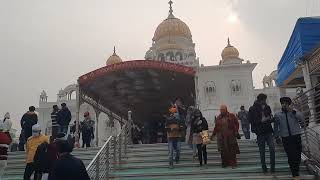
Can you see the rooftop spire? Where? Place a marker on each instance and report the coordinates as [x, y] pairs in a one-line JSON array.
[[170, 10], [114, 49], [229, 42]]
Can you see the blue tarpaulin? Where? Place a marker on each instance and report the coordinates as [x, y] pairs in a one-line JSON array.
[[304, 38]]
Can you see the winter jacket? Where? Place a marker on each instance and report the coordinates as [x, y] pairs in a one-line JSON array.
[[243, 117], [54, 115], [198, 123], [5, 141], [64, 117], [286, 122], [174, 127], [69, 167], [87, 128], [255, 118], [32, 145], [27, 121]]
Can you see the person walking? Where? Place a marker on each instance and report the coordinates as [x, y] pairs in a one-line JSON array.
[[54, 123], [32, 145], [173, 127], [189, 134], [245, 124], [198, 125], [5, 141], [29, 119], [7, 123], [64, 118], [68, 167], [87, 129], [260, 118], [226, 128], [287, 125]]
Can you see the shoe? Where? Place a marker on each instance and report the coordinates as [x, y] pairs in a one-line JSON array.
[[171, 165], [264, 170], [296, 178], [194, 158], [272, 172]]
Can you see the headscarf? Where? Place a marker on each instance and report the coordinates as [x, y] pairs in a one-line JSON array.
[[36, 129], [223, 109], [173, 110], [6, 116]]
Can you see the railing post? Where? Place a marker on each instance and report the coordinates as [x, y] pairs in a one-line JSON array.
[[114, 151], [125, 141], [120, 149], [97, 176], [107, 162]]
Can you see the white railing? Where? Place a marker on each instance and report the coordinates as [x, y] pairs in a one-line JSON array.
[[111, 155], [308, 103]]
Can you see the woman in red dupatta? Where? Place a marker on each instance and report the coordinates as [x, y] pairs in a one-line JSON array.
[[226, 129]]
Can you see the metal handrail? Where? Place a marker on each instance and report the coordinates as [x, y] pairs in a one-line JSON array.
[[308, 103], [99, 152], [111, 155]]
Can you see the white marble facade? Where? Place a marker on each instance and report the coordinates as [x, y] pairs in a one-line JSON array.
[[67, 95], [229, 83]]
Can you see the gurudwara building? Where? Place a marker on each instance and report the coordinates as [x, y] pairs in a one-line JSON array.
[[230, 82]]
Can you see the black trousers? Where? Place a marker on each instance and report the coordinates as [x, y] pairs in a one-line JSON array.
[[29, 170], [293, 147], [202, 152], [86, 141]]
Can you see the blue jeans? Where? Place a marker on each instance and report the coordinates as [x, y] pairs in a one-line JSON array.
[[64, 129], [246, 130], [174, 144], [262, 140]]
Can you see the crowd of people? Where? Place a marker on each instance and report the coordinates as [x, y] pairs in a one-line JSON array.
[[48, 157], [283, 127]]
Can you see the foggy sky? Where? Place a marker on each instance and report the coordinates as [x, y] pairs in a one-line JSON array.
[[47, 45]]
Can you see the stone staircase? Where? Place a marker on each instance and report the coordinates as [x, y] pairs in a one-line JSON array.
[[16, 162], [150, 162]]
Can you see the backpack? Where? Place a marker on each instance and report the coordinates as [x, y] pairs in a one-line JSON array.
[[41, 158]]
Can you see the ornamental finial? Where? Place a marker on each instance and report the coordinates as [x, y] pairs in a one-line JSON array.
[[170, 11]]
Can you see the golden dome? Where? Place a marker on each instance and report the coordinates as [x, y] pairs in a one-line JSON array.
[[229, 52], [114, 58], [172, 26]]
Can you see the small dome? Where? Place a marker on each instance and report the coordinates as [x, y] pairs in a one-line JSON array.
[[114, 58], [149, 55], [61, 92], [43, 93], [172, 26], [229, 52]]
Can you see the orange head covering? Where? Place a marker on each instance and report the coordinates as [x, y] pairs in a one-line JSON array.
[[223, 109], [173, 110]]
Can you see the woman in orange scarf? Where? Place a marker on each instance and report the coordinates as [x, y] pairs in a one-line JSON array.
[[226, 129]]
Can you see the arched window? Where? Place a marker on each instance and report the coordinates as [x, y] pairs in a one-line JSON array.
[[179, 56], [161, 57]]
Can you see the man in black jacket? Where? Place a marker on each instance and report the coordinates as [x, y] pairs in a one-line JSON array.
[[64, 118], [260, 117], [29, 119], [68, 167]]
